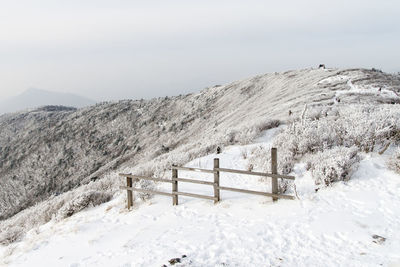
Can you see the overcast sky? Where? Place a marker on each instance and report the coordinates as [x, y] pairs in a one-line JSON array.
[[120, 49]]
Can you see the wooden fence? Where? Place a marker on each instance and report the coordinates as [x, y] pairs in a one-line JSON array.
[[215, 184]]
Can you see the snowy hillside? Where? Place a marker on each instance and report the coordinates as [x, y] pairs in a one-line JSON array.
[[355, 223], [333, 126], [45, 152], [33, 98]]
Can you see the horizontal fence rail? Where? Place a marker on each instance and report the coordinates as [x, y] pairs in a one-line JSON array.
[[254, 192], [192, 181], [194, 195], [145, 178], [146, 191], [192, 169], [215, 184], [166, 193], [256, 173]]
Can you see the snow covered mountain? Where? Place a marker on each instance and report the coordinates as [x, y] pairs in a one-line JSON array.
[[33, 98], [49, 151], [55, 162]]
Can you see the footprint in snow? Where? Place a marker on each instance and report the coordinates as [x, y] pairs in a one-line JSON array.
[[378, 239], [175, 260]]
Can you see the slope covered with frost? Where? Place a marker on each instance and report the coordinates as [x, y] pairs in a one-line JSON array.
[[69, 159]]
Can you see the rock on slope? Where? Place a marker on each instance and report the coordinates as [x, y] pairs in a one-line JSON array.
[[49, 151]]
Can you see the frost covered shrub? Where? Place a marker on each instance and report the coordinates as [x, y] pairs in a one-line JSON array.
[[365, 128], [57, 207], [333, 165], [90, 198], [259, 158], [10, 235], [268, 125], [394, 162], [146, 185], [245, 135]]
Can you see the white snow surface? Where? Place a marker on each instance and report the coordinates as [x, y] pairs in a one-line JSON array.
[[336, 78], [333, 227]]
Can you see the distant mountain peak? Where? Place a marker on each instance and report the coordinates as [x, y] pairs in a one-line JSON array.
[[34, 97]]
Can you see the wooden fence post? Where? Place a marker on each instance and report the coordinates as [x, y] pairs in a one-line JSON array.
[[274, 170], [129, 192], [216, 181], [174, 187]]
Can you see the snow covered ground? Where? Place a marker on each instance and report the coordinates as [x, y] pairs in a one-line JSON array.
[[333, 227]]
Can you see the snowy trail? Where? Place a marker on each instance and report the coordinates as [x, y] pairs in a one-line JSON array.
[[352, 89], [365, 91], [333, 227]]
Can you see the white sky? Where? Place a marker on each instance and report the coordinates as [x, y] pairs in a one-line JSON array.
[[120, 49]]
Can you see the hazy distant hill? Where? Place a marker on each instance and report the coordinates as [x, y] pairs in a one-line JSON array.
[[33, 98]]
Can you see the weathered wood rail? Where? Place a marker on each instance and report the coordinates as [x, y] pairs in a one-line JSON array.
[[215, 184]]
